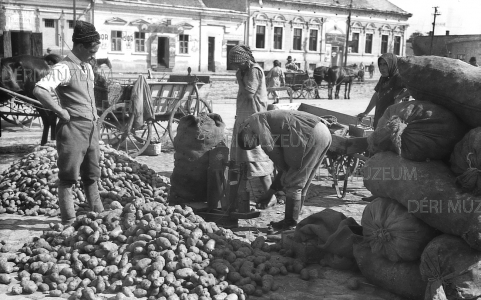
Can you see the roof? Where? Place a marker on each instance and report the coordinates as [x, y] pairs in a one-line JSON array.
[[235, 5], [476, 38], [375, 5], [188, 3]]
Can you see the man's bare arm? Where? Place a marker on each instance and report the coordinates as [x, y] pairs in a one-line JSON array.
[[48, 102]]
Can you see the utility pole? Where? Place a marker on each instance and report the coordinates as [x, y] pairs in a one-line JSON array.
[[347, 34], [434, 26]]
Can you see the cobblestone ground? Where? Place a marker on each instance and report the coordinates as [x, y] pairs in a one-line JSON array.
[[331, 284]]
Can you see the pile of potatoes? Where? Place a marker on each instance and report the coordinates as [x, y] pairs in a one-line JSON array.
[[146, 249], [29, 186]]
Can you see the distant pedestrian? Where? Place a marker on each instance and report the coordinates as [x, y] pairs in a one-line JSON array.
[[291, 66], [472, 61], [371, 70], [275, 78]]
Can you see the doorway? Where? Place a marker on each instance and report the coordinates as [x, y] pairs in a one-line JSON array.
[[335, 55], [163, 52], [21, 44], [230, 45], [211, 54]]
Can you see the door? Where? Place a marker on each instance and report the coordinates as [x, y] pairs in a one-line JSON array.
[[335, 55], [21, 43], [230, 45], [211, 54], [163, 52]]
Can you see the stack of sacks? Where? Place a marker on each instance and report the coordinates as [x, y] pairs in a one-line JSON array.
[[414, 169], [393, 241]]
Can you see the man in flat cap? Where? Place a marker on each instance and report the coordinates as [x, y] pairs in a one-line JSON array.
[[72, 79]]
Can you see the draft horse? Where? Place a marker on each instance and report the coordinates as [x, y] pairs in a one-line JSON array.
[[30, 69], [336, 76]]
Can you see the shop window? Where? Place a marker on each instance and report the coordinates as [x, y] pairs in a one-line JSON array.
[[116, 40], [183, 43]]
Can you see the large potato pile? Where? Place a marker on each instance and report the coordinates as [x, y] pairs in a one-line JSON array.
[[29, 186], [139, 247]]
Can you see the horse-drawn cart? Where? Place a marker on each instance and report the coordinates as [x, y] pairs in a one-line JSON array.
[[163, 104], [301, 84], [349, 145]]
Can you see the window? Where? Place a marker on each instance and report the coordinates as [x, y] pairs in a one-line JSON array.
[[313, 40], [312, 67], [183, 43], [70, 24], [297, 42], [139, 41], [260, 37], [397, 45], [49, 23], [355, 42], [368, 48], [277, 37], [116, 41], [384, 44]]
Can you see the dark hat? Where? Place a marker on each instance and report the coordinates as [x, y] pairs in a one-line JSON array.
[[289, 58], [85, 32]]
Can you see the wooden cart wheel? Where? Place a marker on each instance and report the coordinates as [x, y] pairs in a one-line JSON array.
[[309, 88], [17, 112], [182, 109], [341, 167], [115, 129], [296, 91]]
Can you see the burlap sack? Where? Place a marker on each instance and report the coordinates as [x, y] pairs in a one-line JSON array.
[[195, 137], [466, 162], [331, 231], [449, 82], [451, 268], [400, 278], [417, 130], [394, 233], [428, 191]]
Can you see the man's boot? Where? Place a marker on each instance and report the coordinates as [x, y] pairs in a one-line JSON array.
[[92, 196], [292, 212], [65, 203]]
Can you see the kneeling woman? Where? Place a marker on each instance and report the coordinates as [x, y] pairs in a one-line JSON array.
[[296, 142]]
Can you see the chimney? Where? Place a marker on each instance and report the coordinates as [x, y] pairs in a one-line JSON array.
[[447, 32]]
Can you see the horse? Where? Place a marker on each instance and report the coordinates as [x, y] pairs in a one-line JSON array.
[[33, 69], [336, 76], [320, 74]]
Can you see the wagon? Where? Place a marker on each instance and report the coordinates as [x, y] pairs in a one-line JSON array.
[[348, 150], [166, 103], [301, 83]]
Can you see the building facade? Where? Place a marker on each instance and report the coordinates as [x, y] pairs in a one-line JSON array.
[[162, 35], [314, 32], [171, 35], [461, 47]]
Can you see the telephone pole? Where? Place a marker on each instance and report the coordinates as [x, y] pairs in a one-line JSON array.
[[434, 26], [347, 34]]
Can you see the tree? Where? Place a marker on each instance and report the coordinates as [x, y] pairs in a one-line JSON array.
[[414, 35]]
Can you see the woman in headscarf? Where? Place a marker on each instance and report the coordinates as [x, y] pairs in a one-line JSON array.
[[251, 99], [389, 90], [275, 78]]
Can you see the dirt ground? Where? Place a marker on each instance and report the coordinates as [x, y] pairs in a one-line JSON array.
[[331, 284]]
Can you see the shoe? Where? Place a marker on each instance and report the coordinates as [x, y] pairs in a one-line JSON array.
[[284, 225], [267, 204]]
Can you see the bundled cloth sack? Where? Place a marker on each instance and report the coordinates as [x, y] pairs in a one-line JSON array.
[[417, 130], [428, 191], [401, 278], [394, 233], [466, 162], [331, 230], [195, 137], [451, 268], [449, 82]]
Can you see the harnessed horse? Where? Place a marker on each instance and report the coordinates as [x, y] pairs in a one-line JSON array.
[[33, 69]]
